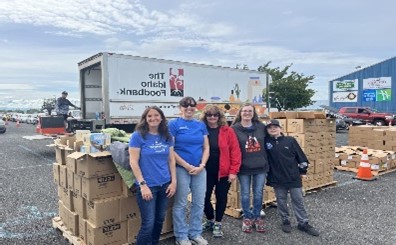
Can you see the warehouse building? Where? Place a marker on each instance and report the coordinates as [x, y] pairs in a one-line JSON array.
[[373, 86]]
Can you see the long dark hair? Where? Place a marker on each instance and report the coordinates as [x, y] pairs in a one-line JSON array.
[[255, 118], [143, 128]]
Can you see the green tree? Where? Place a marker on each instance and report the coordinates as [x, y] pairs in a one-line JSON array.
[[49, 105], [287, 91]]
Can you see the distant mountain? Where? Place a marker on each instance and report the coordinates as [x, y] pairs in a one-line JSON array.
[[317, 105], [25, 104]]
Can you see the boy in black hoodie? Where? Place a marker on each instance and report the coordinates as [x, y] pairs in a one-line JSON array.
[[288, 164]]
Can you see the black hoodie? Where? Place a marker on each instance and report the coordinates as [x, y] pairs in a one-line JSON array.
[[251, 142], [287, 162]]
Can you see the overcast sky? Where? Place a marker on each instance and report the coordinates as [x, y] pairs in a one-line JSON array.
[[41, 41]]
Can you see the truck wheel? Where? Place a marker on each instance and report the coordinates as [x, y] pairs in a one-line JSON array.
[[379, 122]]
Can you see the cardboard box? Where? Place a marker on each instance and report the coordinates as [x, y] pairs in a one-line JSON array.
[[301, 125], [80, 133], [72, 224], [71, 163], [70, 180], [77, 184], [103, 211], [63, 176], [55, 171], [168, 222], [65, 197], [233, 199], [62, 213], [129, 208], [133, 229], [101, 187], [60, 155], [304, 140], [82, 228], [79, 205], [93, 164], [107, 235]]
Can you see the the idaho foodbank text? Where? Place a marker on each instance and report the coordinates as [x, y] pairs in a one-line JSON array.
[[148, 88]]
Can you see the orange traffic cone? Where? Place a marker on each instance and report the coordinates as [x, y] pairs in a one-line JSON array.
[[364, 171], [38, 127], [17, 124]]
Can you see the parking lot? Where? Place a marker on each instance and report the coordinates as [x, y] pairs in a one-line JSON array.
[[352, 212]]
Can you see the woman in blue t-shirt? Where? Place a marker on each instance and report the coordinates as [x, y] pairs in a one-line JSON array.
[[153, 164], [191, 153]]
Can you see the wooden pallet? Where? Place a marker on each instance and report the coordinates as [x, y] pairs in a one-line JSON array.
[[57, 223], [317, 188], [237, 212], [374, 172]]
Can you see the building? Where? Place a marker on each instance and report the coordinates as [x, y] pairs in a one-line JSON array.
[[373, 86]]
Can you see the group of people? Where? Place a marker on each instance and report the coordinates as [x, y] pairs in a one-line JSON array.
[[186, 155]]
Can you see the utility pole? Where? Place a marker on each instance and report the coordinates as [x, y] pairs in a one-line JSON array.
[[267, 100]]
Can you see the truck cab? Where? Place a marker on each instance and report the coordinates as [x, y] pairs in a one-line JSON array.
[[368, 115]]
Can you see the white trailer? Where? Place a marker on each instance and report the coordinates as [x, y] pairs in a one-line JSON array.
[[119, 87]]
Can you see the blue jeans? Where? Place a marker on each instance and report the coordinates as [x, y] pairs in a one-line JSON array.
[[245, 182], [152, 213], [186, 183]]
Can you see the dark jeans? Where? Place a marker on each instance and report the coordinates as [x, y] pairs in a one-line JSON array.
[[221, 190], [152, 213]]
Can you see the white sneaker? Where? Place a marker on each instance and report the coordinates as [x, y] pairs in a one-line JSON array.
[[199, 240], [183, 242]]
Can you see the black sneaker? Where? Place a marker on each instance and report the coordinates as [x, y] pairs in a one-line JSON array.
[[286, 227], [308, 229]]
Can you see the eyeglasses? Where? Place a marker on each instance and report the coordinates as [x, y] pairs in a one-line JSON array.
[[188, 104], [212, 115], [247, 111]]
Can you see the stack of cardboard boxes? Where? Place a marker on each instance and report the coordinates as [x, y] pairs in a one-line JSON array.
[[316, 136], [94, 202], [373, 137], [348, 158]]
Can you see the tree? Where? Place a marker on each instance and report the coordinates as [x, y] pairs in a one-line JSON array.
[[49, 105], [287, 91]]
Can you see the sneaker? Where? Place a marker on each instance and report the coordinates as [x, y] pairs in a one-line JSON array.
[[217, 231], [286, 227], [199, 240], [309, 229], [259, 225], [207, 225], [183, 242], [247, 225]]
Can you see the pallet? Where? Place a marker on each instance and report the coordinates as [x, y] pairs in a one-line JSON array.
[[58, 224], [237, 212], [374, 172], [317, 188]]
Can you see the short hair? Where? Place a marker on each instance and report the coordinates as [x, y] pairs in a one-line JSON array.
[[214, 110]]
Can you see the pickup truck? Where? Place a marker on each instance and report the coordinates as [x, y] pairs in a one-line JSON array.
[[368, 115]]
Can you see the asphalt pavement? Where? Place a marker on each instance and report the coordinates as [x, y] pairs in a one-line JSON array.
[[352, 212]]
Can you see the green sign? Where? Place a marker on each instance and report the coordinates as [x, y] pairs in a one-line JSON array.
[[383, 94], [345, 85]]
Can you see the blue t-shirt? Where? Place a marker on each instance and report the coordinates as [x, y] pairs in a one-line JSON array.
[[189, 139], [154, 155]]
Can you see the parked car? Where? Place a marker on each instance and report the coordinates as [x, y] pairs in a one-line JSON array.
[[368, 115], [342, 122], [32, 119], [23, 118], [2, 127]]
